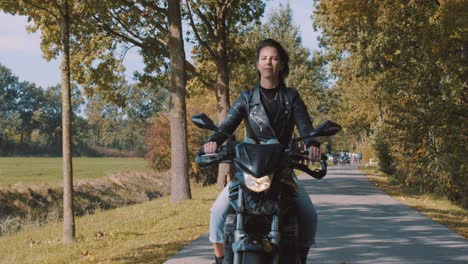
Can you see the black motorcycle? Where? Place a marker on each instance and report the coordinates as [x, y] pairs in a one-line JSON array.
[[261, 226]]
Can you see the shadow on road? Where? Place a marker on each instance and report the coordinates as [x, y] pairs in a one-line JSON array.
[[360, 224]]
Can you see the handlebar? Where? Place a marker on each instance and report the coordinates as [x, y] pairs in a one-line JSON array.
[[226, 153], [317, 173]]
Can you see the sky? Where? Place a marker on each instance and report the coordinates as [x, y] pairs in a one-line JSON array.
[[20, 50]]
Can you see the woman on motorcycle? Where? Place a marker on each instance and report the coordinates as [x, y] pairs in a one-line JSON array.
[[270, 111]]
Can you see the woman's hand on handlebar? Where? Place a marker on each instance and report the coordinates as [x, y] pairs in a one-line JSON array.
[[314, 153], [210, 147]]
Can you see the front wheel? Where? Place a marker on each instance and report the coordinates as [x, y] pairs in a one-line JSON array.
[[228, 254], [248, 257], [229, 227]]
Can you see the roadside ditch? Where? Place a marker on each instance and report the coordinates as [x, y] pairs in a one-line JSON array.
[[31, 206]]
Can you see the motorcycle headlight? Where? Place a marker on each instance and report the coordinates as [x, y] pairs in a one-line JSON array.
[[257, 184]]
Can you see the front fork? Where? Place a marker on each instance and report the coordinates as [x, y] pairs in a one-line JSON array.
[[239, 232], [275, 236]]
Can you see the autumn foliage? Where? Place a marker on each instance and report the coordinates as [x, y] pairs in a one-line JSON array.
[[159, 144], [401, 78]]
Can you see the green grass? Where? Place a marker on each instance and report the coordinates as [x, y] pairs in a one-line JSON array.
[[144, 233], [438, 209], [49, 170]]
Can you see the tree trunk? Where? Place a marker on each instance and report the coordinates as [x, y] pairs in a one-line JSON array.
[[225, 170], [180, 185], [68, 217]]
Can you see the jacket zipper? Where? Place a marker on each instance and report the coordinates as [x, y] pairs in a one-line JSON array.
[[255, 118]]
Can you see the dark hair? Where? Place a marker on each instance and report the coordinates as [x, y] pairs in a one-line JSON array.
[[284, 57]]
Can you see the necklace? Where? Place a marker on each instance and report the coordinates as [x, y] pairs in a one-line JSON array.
[[269, 100]]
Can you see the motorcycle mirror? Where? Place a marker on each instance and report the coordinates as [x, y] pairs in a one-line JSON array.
[[327, 128], [204, 122]]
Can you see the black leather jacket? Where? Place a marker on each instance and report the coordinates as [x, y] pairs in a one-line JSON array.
[[248, 107]]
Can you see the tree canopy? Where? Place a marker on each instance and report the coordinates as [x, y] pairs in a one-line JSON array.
[[401, 77]]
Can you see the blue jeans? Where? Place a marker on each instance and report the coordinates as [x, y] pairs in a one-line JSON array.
[[307, 217]]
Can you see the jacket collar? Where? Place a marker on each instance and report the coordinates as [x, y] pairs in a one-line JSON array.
[[255, 95]]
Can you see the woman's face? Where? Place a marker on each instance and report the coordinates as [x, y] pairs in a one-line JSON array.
[[269, 64]]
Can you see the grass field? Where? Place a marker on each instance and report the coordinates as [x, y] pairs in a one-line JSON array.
[[144, 233], [49, 170]]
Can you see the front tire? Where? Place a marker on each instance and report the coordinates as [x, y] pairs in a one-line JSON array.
[[255, 257], [228, 254], [229, 227]]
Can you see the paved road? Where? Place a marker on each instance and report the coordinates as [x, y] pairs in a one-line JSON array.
[[360, 224]]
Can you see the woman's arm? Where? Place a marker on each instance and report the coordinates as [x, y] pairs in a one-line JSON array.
[[303, 120], [234, 117]]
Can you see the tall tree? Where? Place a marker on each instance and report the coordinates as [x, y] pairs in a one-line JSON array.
[[180, 188], [68, 212], [54, 16], [143, 24]]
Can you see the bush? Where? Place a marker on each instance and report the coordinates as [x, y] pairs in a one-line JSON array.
[[382, 150], [158, 140]]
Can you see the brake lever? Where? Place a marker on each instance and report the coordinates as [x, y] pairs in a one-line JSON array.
[[317, 173]]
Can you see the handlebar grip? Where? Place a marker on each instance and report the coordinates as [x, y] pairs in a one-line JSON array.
[[200, 152], [305, 155], [209, 159]]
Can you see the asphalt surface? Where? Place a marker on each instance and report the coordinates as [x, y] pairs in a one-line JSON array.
[[360, 224]]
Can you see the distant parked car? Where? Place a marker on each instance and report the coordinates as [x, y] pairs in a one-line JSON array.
[[345, 160]]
